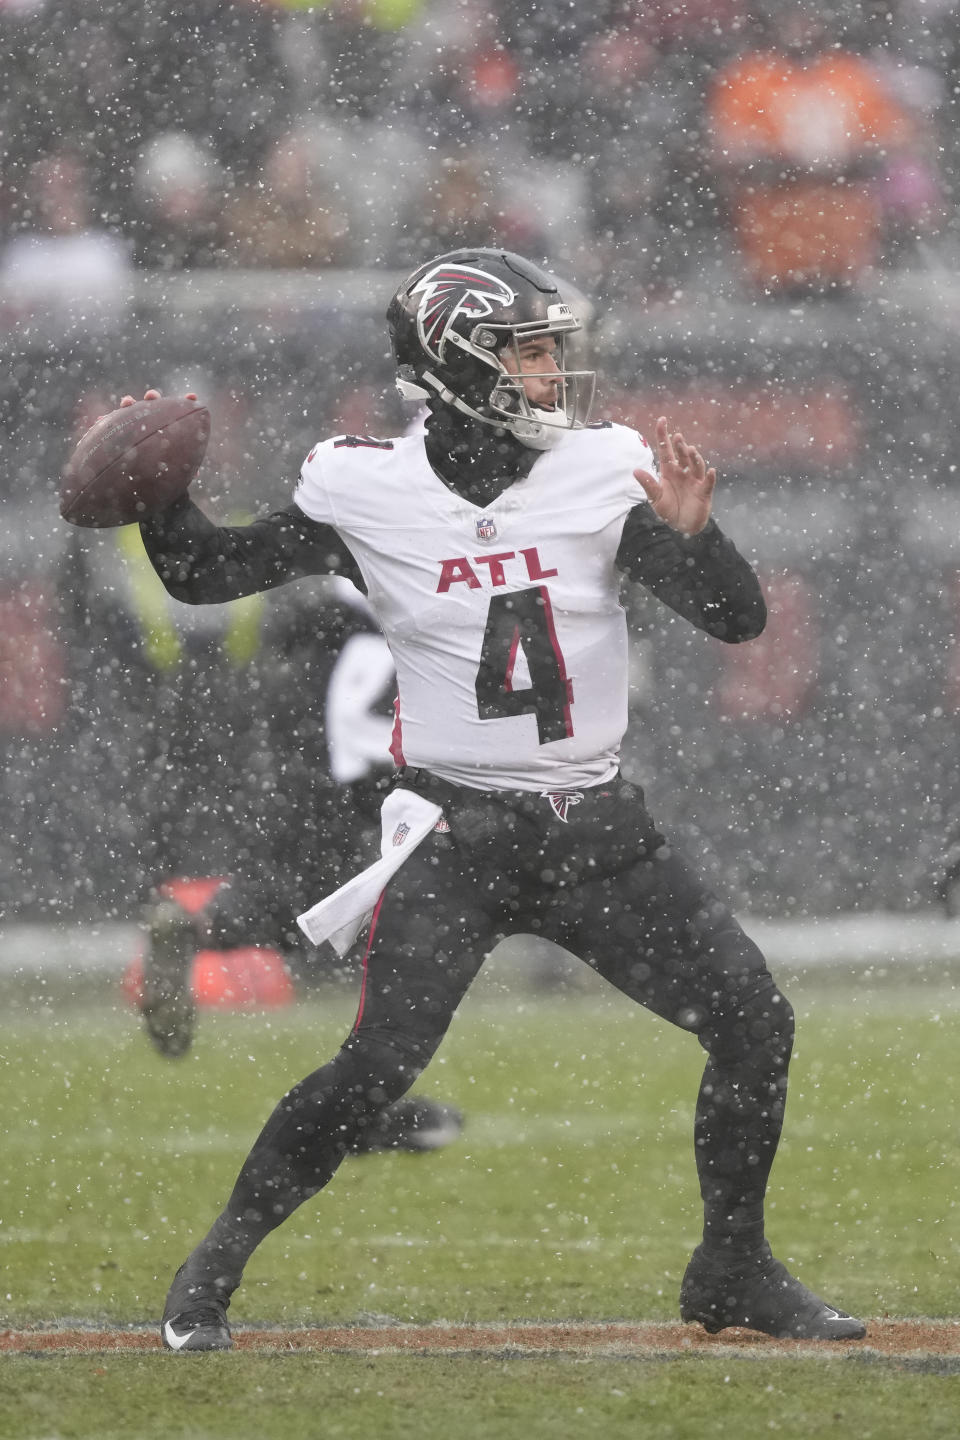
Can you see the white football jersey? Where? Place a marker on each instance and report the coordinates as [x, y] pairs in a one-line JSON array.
[[504, 622]]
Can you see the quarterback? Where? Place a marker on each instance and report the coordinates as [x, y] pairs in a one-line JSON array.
[[492, 549]]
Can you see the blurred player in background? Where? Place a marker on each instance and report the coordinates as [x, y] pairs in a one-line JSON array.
[[492, 550], [317, 820], [314, 770], [318, 771], [279, 798], [947, 876]]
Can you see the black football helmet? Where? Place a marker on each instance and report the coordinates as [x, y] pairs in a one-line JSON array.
[[455, 317]]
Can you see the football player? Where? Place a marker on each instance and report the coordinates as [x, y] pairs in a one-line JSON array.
[[491, 549]]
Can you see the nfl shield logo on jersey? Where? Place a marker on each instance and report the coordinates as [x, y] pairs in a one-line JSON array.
[[401, 833], [486, 528]]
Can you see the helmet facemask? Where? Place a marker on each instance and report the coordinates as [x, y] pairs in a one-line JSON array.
[[537, 426]]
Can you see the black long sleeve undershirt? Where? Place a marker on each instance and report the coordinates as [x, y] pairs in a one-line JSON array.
[[701, 577], [202, 563]]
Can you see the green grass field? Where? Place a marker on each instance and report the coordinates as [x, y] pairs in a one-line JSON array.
[[570, 1196]]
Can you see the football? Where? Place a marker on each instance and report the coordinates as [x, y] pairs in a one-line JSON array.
[[134, 462]]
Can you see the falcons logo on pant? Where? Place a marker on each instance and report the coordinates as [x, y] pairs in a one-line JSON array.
[[561, 800]]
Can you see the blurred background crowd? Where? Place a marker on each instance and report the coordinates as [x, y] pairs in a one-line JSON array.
[[639, 147], [760, 200]]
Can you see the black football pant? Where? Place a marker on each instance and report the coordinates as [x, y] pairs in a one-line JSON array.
[[604, 886]]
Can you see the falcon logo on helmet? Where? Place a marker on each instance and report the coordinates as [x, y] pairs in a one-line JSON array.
[[449, 291]]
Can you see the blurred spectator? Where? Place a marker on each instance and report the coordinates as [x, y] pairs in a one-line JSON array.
[[461, 201], [178, 195], [463, 77], [630, 127], [69, 76], [635, 113], [699, 30], [289, 214], [211, 68], [804, 129], [911, 62], [552, 29], [627, 258], [363, 409], [62, 273], [363, 45], [362, 173]]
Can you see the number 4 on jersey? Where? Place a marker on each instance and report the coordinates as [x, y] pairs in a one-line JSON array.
[[523, 621]]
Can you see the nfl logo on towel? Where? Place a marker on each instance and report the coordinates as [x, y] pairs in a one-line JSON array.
[[486, 528], [401, 833]]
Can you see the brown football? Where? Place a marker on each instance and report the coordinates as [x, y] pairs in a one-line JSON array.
[[134, 462]]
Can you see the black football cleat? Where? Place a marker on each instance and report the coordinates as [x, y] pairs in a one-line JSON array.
[[411, 1124], [167, 1004], [759, 1294], [195, 1316]]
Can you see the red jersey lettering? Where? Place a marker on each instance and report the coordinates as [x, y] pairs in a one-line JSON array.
[[534, 569], [460, 571], [497, 574], [457, 572]]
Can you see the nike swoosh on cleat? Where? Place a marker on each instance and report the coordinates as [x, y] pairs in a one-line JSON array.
[[175, 1341]]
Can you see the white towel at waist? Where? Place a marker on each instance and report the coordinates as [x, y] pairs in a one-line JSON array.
[[405, 820]]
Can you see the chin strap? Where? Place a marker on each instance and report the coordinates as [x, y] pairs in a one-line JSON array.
[[410, 390], [448, 398], [547, 434]]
